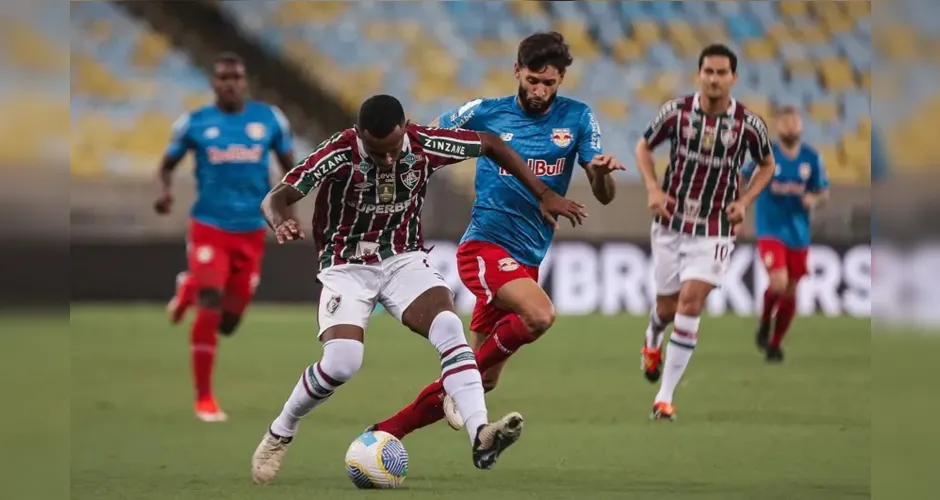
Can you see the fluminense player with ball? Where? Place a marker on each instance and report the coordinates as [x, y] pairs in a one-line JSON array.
[[499, 254], [696, 207], [781, 218], [372, 181]]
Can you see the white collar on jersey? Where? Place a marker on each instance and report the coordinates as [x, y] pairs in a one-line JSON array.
[[731, 108], [405, 145]]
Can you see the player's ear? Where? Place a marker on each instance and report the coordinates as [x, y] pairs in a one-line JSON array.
[[515, 69]]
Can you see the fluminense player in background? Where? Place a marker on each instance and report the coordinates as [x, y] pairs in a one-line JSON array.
[[499, 254], [231, 141], [696, 208], [782, 226], [373, 181]]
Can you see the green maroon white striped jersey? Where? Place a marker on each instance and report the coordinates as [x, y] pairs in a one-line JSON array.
[[364, 214], [707, 152]]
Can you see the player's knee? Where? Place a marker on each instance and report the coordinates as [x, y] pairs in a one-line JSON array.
[[448, 331], [342, 358], [779, 282], [538, 319], [210, 298], [691, 306]]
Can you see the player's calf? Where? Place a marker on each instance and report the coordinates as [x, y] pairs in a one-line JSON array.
[[342, 358], [229, 323], [779, 284]]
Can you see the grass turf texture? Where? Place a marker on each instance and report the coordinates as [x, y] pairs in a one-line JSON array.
[[745, 429]]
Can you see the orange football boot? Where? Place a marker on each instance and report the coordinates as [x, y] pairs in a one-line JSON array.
[[663, 411], [208, 410], [651, 363]]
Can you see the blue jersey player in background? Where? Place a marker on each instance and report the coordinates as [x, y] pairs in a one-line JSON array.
[[499, 255], [782, 226], [231, 141]]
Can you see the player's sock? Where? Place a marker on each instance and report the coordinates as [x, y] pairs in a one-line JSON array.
[[341, 359], [459, 373], [771, 299], [655, 329], [426, 409], [786, 310], [678, 353], [202, 344], [509, 334]]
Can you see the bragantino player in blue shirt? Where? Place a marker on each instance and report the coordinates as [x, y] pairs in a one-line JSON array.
[[782, 226], [231, 141], [499, 255]]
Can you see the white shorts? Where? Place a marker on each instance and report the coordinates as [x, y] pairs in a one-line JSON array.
[[350, 291], [679, 257]]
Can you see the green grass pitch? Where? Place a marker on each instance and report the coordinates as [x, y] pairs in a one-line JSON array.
[[744, 429]]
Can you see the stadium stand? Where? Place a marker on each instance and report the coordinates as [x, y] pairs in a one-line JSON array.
[[630, 57], [35, 124], [128, 86]]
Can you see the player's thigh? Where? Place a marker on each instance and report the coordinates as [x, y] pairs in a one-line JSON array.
[[797, 265], [703, 266], [773, 255], [347, 298], [413, 291], [244, 275], [665, 248], [208, 257], [500, 284]]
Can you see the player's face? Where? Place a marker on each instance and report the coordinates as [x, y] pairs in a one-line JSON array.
[[537, 89], [789, 127], [716, 78], [229, 84], [385, 151]]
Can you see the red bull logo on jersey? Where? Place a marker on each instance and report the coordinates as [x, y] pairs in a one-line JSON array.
[[542, 168], [788, 188], [235, 153], [562, 137]]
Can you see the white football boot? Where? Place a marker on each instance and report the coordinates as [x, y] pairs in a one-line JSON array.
[[454, 420], [267, 459]]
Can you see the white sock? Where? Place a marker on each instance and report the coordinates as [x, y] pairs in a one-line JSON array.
[[678, 353], [459, 372], [655, 329], [341, 359]]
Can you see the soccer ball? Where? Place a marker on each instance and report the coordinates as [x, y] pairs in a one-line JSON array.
[[377, 459]]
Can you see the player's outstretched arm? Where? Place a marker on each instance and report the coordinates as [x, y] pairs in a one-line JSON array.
[[277, 212], [598, 171], [165, 180], [550, 202]]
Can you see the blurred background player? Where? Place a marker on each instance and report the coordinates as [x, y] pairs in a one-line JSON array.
[[781, 217], [231, 140], [695, 208], [368, 224], [501, 250]]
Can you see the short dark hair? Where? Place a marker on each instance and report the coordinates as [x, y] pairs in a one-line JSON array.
[[380, 114], [542, 49], [720, 50], [228, 58]]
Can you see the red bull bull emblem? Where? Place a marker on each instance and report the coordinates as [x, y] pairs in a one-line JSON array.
[[561, 137]]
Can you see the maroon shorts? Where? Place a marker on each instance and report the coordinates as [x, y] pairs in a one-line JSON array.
[[484, 268], [227, 261], [775, 256]]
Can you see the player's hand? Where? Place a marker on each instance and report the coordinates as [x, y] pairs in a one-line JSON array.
[[810, 201], [163, 204], [736, 211], [554, 204], [289, 230], [604, 164], [658, 202]]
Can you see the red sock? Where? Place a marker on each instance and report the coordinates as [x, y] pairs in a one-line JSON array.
[[771, 301], [203, 344], [786, 310], [508, 335]]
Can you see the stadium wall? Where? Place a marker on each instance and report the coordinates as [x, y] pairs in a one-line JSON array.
[[582, 277]]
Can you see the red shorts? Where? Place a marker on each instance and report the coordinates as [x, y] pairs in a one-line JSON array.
[[484, 268], [227, 261], [775, 256]]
